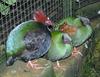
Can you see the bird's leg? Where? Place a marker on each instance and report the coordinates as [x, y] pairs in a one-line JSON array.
[[76, 52], [33, 65], [58, 64], [85, 44]]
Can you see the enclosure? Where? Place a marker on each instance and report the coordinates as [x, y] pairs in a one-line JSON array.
[[14, 12]]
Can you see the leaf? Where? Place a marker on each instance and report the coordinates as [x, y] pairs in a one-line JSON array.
[[10, 2], [4, 10]]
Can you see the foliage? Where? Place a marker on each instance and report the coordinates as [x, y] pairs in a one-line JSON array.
[[10, 2], [4, 10]]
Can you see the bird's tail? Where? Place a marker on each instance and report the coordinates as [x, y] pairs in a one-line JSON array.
[[84, 20]]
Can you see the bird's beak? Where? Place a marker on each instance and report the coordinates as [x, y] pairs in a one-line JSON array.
[[49, 22]]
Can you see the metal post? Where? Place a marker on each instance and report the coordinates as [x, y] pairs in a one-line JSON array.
[[66, 8]]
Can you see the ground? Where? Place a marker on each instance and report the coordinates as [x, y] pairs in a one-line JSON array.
[[68, 67]]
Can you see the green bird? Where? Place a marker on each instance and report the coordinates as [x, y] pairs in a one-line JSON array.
[[61, 46], [29, 40], [78, 28]]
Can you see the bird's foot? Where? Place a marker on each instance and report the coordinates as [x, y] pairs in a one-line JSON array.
[[57, 65], [33, 65], [76, 52]]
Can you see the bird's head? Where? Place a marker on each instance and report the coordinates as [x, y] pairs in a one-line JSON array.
[[39, 16], [64, 27]]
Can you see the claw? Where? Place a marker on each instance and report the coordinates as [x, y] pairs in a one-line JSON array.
[[32, 65], [76, 52], [80, 53], [86, 46], [58, 64], [59, 67]]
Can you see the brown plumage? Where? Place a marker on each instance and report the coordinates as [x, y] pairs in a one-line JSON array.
[[71, 30]]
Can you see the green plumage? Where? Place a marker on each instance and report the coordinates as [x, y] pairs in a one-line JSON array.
[[83, 31], [15, 44], [58, 49]]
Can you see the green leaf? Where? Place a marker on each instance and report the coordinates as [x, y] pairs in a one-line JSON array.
[[10, 2], [4, 10]]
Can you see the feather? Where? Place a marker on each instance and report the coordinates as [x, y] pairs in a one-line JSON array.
[[71, 30], [39, 16], [22, 42], [76, 29], [85, 21], [59, 50]]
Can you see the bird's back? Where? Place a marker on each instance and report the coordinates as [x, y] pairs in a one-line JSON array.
[[15, 43], [58, 49]]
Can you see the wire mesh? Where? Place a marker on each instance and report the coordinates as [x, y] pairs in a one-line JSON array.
[[22, 10], [15, 12]]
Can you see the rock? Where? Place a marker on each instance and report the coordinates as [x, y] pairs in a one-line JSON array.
[[69, 66], [19, 69]]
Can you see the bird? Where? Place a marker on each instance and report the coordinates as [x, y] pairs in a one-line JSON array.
[[68, 29], [29, 40], [79, 29], [60, 48], [39, 16]]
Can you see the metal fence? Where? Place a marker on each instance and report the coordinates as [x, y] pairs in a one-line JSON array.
[[13, 13]]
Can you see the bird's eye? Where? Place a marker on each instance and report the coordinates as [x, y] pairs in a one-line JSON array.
[[48, 18]]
